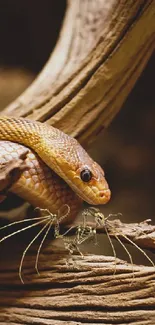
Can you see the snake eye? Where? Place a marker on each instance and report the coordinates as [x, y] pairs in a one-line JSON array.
[[86, 175]]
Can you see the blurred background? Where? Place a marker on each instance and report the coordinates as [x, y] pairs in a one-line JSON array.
[[28, 33]]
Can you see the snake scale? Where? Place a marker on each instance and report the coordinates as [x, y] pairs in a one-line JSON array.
[[59, 171]]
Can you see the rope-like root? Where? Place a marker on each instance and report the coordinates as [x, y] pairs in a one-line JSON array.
[[27, 248], [41, 244], [112, 246], [48, 219], [83, 233], [130, 256], [23, 229], [101, 220], [140, 249]]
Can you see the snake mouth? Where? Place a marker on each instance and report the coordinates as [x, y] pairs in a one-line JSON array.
[[102, 197]]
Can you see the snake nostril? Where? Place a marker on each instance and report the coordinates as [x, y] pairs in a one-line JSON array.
[[102, 193], [105, 193]]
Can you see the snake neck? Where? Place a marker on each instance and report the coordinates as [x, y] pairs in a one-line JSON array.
[[19, 130], [45, 140], [61, 153]]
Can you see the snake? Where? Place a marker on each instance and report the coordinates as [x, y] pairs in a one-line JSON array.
[[58, 170]]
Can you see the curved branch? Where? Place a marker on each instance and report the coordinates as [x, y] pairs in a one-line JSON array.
[[143, 233], [85, 291], [101, 52]]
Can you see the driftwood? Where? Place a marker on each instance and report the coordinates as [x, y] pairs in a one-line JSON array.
[[10, 172], [102, 50], [86, 291], [143, 233]]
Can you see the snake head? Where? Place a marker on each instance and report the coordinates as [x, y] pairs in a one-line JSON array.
[[81, 172], [92, 184]]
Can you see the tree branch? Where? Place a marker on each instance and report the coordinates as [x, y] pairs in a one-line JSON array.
[[10, 172], [143, 233], [85, 291], [101, 52]]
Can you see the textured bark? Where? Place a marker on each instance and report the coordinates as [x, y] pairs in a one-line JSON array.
[[86, 291], [10, 172], [102, 49], [143, 233]]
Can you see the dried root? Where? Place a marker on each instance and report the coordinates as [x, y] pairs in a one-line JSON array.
[[101, 220], [82, 233], [47, 219]]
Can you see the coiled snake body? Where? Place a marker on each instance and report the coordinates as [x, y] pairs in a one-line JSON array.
[[62, 174]]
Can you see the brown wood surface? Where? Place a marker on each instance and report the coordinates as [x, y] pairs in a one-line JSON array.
[[103, 48], [85, 291]]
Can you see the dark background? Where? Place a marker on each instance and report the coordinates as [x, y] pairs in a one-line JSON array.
[[28, 32]]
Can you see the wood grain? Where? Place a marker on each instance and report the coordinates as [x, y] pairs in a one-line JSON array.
[[102, 50], [86, 291]]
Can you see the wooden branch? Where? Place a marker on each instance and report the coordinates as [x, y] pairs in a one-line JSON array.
[[73, 289], [85, 291], [11, 171], [101, 52], [143, 233]]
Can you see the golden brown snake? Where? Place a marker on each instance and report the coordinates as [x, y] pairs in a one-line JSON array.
[[62, 174]]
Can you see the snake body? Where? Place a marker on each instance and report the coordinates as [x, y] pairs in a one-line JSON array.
[[61, 157], [38, 184]]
